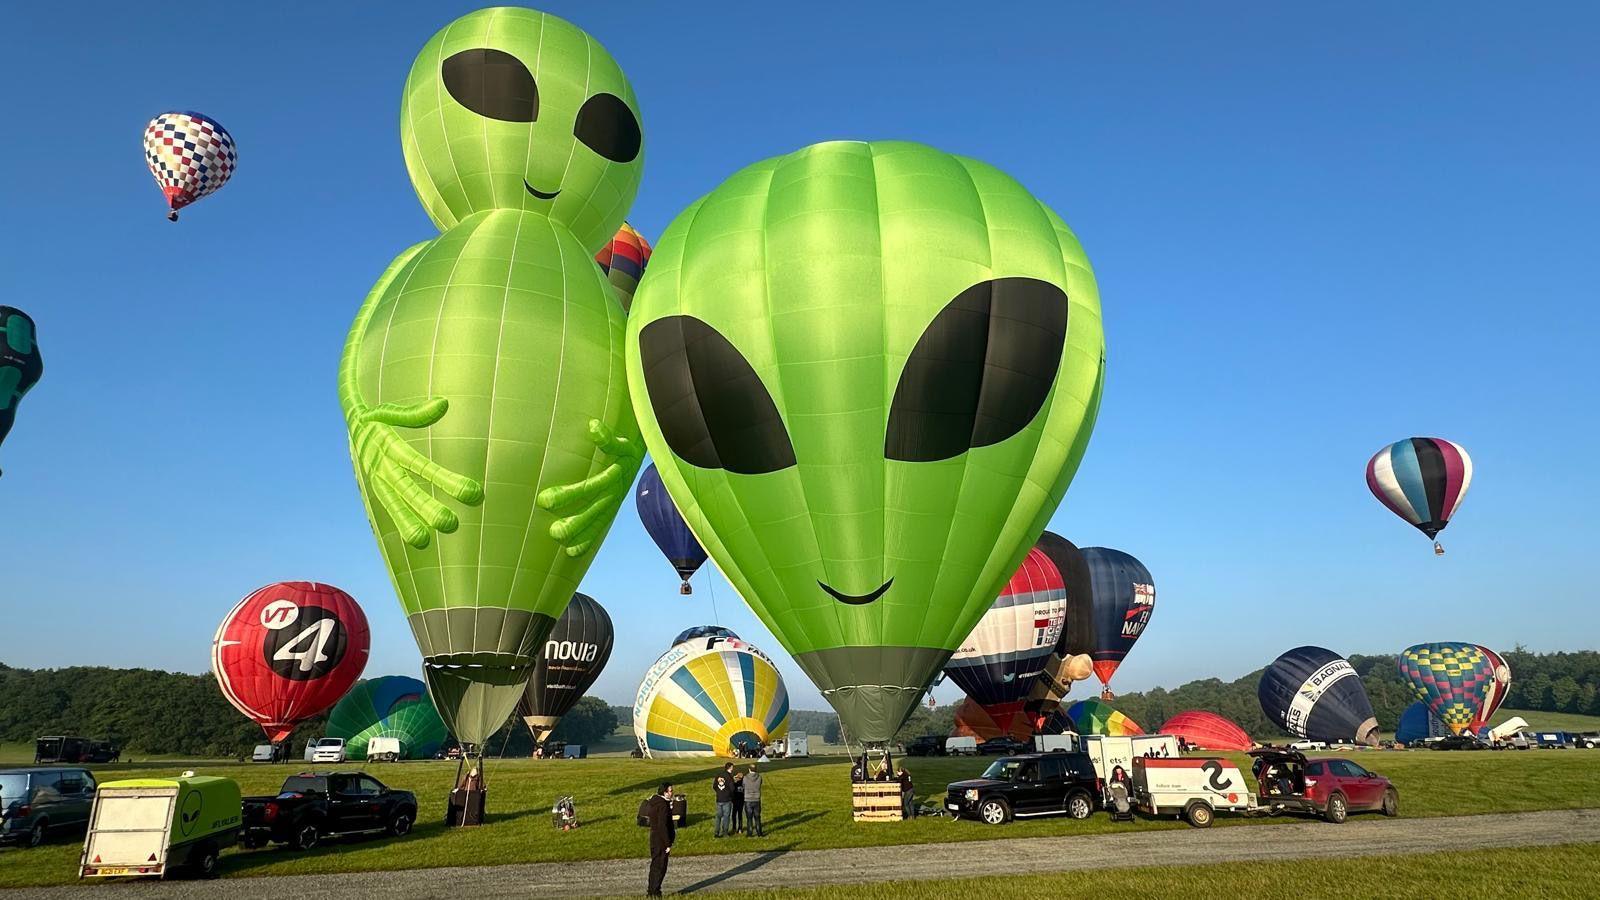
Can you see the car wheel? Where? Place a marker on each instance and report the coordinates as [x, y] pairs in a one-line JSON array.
[[400, 824], [1199, 814], [37, 832], [306, 837], [1337, 810], [1391, 803], [1079, 807], [203, 860], [994, 811]]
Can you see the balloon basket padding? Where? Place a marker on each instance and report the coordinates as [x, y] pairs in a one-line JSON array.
[[876, 801], [466, 807]]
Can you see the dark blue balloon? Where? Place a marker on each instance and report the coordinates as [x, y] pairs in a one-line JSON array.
[[1417, 723], [667, 528]]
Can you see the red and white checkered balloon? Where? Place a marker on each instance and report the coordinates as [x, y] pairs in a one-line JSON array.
[[190, 156]]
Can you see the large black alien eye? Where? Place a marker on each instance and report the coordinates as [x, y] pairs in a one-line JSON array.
[[713, 409], [608, 127], [980, 372], [492, 83]]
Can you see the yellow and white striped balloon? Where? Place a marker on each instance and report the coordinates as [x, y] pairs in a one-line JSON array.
[[708, 696]]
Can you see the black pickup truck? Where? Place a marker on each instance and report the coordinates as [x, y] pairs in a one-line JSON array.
[[310, 807]]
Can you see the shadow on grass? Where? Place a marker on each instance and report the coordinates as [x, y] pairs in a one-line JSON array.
[[791, 820], [743, 868], [695, 778]]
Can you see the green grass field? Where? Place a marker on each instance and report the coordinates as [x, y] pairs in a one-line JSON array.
[[807, 806], [1565, 871], [1549, 721]]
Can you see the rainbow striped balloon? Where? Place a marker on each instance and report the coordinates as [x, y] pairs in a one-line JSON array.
[[1421, 480], [710, 696]]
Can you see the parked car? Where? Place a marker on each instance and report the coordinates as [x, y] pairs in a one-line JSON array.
[[327, 750], [926, 745], [37, 802], [310, 807], [62, 749], [1002, 746], [1033, 784], [1330, 787], [270, 753], [1457, 742], [1588, 740]]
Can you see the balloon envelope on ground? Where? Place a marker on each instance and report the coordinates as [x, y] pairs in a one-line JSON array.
[[710, 697], [991, 721], [1454, 679], [393, 706], [1417, 723], [1207, 730], [289, 651], [574, 653], [1095, 716], [21, 365], [1316, 694], [666, 527], [1421, 480]]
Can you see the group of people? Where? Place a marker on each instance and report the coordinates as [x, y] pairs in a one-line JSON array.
[[738, 796]]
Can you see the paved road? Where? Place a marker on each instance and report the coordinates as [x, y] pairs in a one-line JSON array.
[[1364, 836]]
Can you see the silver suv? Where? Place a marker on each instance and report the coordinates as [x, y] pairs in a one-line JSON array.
[[36, 802]]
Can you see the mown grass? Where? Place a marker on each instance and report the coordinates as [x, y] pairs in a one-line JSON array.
[[1563, 871], [806, 807]]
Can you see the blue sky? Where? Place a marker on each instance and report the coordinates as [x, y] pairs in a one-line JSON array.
[[1315, 232]]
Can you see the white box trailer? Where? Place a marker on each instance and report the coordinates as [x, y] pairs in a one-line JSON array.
[[961, 746], [384, 749], [1111, 751], [149, 826], [1046, 743], [797, 745], [1192, 788]]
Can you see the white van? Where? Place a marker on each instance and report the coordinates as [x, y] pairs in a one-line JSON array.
[[961, 746], [327, 750], [1109, 751]]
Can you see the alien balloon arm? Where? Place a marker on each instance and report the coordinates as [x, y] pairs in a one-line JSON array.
[[391, 468], [588, 506]]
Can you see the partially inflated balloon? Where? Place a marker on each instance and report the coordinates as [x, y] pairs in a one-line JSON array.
[[1500, 686], [574, 653], [1065, 664], [1106, 624], [393, 706], [1416, 723], [1207, 731], [1316, 694], [867, 373], [1421, 480], [21, 366], [983, 722], [1095, 716], [289, 651], [190, 155], [624, 260], [710, 696], [666, 527], [1005, 652], [1453, 678]]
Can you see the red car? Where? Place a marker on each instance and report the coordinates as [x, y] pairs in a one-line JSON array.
[[1331, 787]]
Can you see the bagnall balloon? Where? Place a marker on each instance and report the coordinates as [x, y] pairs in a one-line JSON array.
[[1107, 622], [713, 696], [624, 260], [1416, 723], [190, 155], [867, 373], [288, 651], [1316, 694], [21, 365], [1094, 716], [482, 381], [666, 527], [1007, 649], [1063, 667], [1453, 678], [577, 648], [1499, 686], [1207, 731], [994, 720], [393, 706], [1421, 480]]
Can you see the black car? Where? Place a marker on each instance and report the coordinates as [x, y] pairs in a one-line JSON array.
[[926, 745], [1458, 742], [1033, 784], [1002, 746], [310, 807]]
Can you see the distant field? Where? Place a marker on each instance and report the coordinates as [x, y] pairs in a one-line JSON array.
[[806, 807], [1549, 721], [1547, 872]]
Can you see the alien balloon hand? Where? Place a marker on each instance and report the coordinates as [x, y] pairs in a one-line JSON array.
[[394, 469], [593, 502]]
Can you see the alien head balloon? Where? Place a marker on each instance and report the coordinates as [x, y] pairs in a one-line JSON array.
[[867, 373]]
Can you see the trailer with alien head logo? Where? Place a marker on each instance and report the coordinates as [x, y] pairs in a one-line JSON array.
[[155, 826]]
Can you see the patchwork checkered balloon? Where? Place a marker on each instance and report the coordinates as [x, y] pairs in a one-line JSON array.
[[1453, 679], [190, 155]]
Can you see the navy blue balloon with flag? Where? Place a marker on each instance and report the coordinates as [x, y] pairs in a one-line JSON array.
[[667, 528]]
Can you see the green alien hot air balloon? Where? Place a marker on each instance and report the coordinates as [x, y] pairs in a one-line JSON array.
[[867, 373], [482, 382]]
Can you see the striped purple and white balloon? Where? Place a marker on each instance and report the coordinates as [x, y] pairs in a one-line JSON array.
[[1421, 480]]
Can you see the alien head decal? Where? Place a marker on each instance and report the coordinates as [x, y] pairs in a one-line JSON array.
[[867, 373], [511, 108]]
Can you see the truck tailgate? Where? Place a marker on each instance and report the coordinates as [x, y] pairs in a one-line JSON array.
[[128, 832]]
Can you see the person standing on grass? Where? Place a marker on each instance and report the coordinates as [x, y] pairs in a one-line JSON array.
[[662, 833], [752, 804], [907, 809], [722, 789], [738, 803]]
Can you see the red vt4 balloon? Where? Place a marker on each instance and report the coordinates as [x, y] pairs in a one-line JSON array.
[[288, 652]]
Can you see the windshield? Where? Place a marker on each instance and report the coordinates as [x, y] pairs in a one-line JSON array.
[[304, 784], [1007, 769], [13, 787], [333, 743]]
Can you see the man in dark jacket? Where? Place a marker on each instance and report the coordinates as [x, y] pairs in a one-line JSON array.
[[662, 833], [908, 809], [722, 790]]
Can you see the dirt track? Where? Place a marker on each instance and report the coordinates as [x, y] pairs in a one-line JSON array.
[[1364, 836]]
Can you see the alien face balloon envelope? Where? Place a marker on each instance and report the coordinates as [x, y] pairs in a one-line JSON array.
[[867, 373]]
